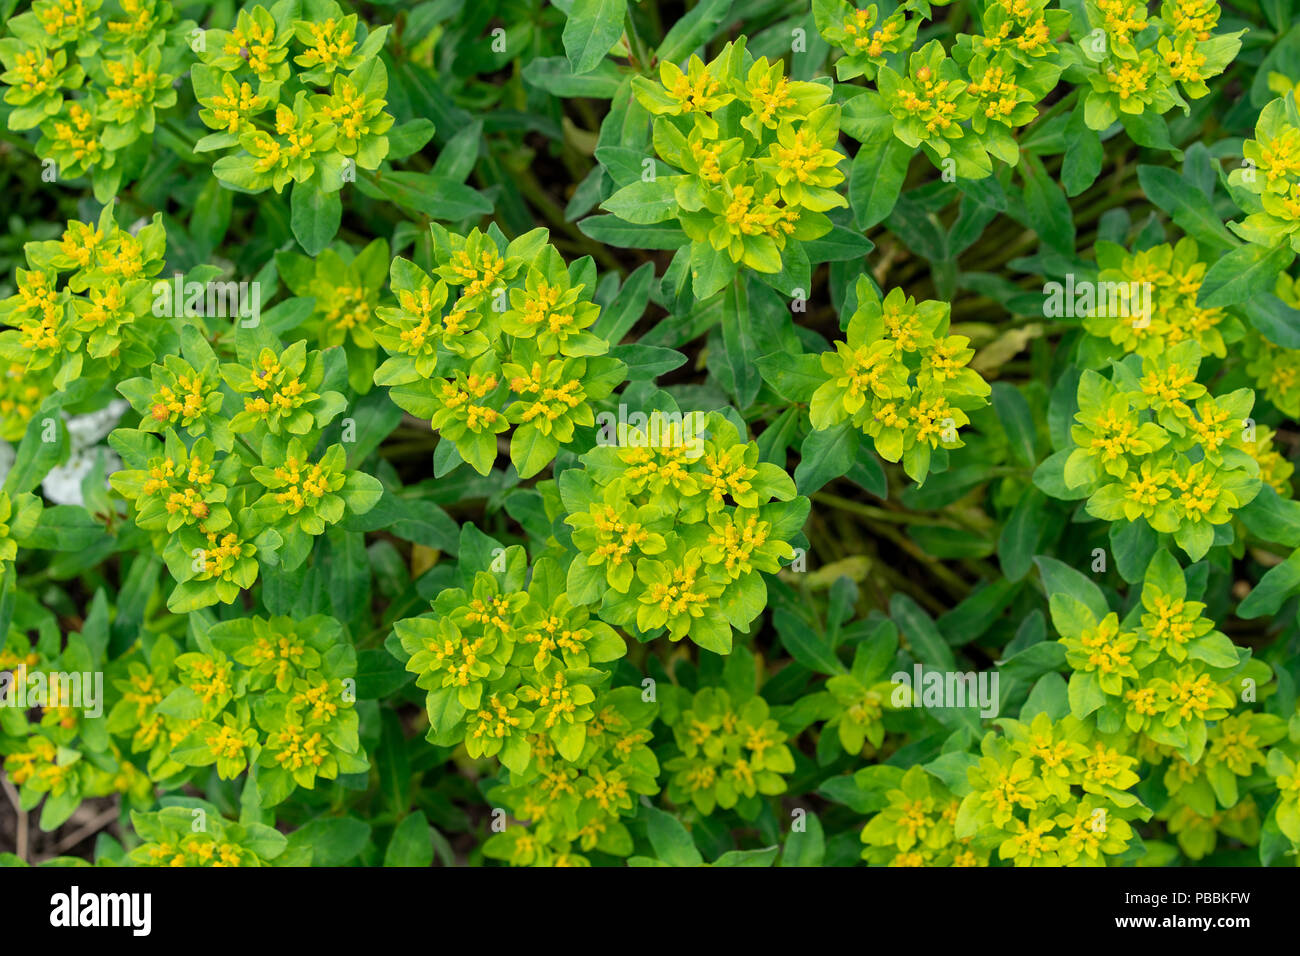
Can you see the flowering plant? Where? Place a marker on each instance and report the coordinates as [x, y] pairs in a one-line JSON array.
[[580, 434]]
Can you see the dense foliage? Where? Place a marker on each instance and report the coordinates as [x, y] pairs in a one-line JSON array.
[[615, 432]]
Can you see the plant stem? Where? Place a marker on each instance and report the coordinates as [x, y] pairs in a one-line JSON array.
[[873, 513], [20, 837], [639, 53]]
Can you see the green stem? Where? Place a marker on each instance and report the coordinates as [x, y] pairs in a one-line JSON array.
[[639, 52], [1064, 103], [181, 133], [875, 514], [257, 455]]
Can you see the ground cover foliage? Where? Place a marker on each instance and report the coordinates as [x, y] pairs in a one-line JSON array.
[[614, 432]]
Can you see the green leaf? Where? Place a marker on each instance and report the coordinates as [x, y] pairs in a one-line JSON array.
[[1086, 694], [826, 455], [793, 377], [1270, 517], [1021, 533], [919, 633], [970, 619], [379, 674], [1148, 129], [1242, 274], [314, 215], [556, 76], [1215, 649], [1049, 478], [1047, 209], [412, 843], [408, 139], [740, 351], [838, 245], [333, 841], [1082, 162], [711, 269], [645, 202], [919, 229], [592, 28], [1164, 573], [1188, 206], [349, 574], [617, 319], [1018, 421], [845, 790], [1274, 319], [1278, 583], [699, 24], [394, 763], [58, 808], [457, 157], [671, 840], [1132, 543], [1224, 783], [806, 645], [360, 492], [647, 362], [43, 445], [614, 231], [1049, 696], [415, 520], [434, 196], [764, 857], [876, 177], [531, 450], [1045, 657], [1060, 578]]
